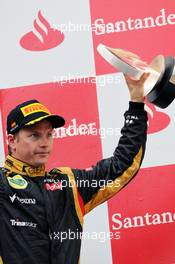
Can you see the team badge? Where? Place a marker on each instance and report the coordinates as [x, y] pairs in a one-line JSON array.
[[17, 182]]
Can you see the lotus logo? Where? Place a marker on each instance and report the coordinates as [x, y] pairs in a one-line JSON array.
[[157, 121], [42, 37], [17, 182]]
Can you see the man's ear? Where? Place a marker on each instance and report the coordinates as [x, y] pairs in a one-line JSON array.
[[11, 142]]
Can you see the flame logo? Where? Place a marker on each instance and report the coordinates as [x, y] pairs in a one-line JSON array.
[[43, 37], [157, 121]]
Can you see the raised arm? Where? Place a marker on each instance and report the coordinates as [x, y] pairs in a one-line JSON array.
[[116, 171]]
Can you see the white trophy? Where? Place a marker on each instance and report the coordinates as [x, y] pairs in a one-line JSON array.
[[159, 88]]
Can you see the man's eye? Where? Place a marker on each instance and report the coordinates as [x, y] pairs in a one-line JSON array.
[[34, 135], [50, 135]]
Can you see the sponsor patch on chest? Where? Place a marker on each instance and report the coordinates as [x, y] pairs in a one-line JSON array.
[[52, 184], [17, 182]]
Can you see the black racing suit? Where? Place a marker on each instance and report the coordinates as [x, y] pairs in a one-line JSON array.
[[41, 213]]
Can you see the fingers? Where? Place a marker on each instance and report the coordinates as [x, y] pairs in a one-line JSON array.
[[144, 77], [129, 79]]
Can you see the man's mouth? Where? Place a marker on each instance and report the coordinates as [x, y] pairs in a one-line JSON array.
[[42, 153]]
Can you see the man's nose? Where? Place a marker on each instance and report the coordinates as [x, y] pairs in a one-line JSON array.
[[44, 142]]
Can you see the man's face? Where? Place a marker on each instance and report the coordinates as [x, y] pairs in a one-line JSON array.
[[33, 144]]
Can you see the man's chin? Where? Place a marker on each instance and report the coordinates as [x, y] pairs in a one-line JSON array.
[[41, 162]]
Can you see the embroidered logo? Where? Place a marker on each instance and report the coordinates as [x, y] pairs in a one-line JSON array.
[[16, 222], [53, 186], [22, 200], [17, 182]]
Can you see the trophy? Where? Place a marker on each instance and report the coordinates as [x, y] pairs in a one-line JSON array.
[[159, 88]]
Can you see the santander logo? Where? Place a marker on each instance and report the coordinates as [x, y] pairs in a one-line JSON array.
[[42, 37], [157, 120]]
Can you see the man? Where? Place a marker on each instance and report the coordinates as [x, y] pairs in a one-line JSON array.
[[39, 209]]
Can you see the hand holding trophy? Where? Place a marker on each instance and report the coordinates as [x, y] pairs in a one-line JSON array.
[[158, 76]]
